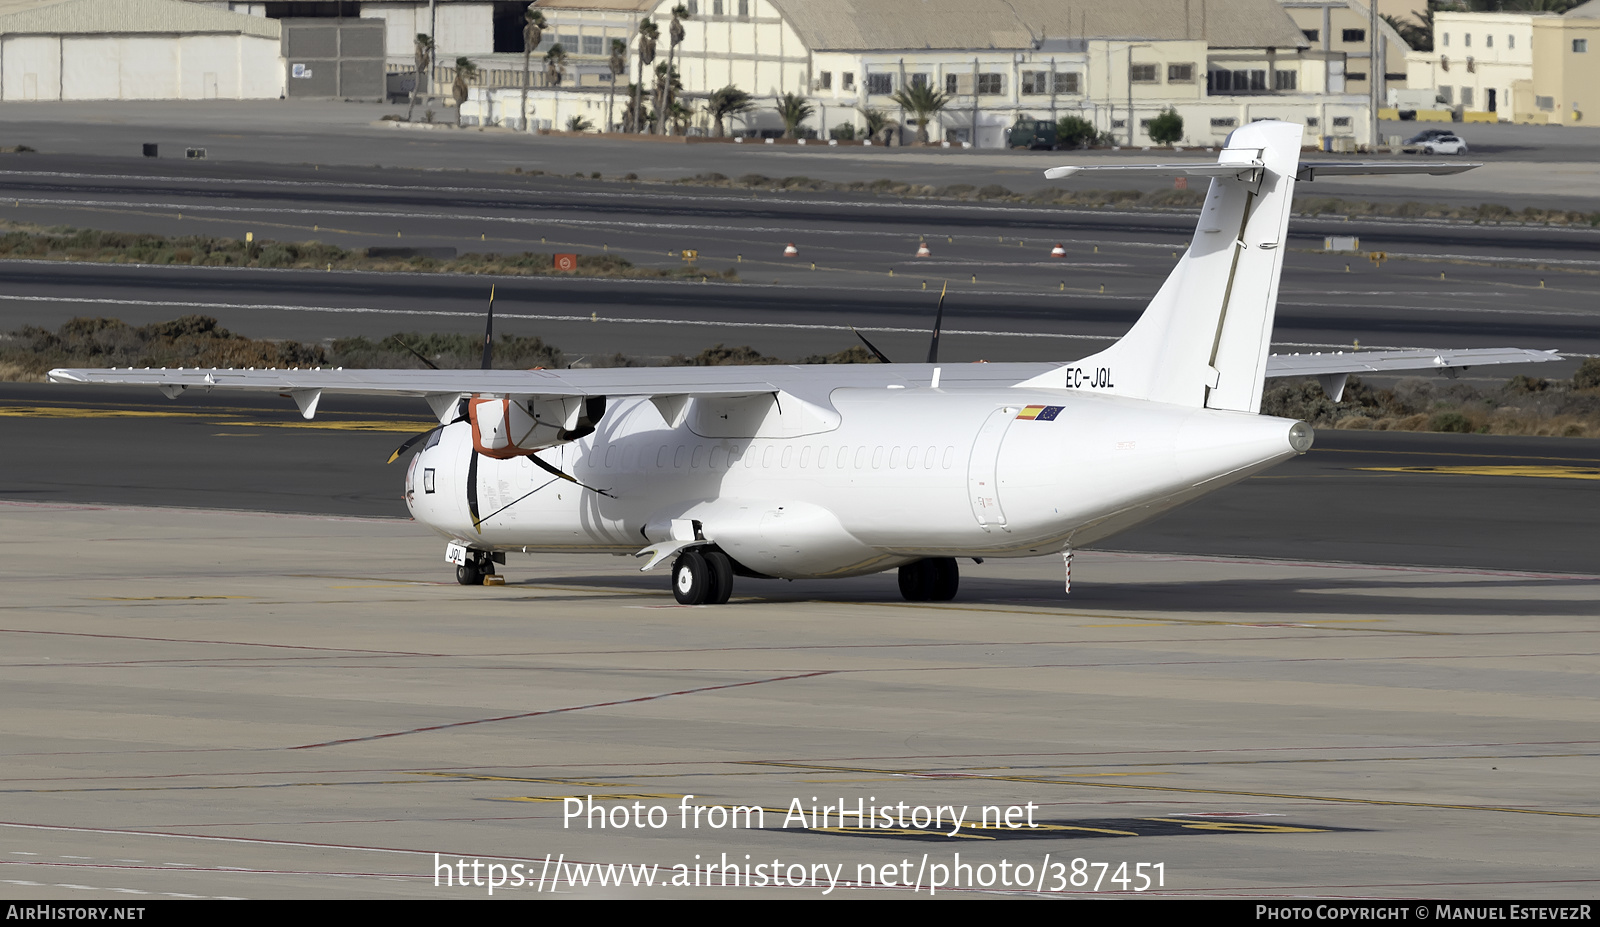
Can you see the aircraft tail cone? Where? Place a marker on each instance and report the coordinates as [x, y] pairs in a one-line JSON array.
[[1058, 251], [791, 251], [922, 250]]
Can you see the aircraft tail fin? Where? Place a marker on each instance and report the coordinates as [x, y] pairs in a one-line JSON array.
[[1203, 340]]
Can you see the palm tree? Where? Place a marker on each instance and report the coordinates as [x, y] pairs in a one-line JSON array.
[[675, 32], [619, 66], [424, 57], [877, 121], [924, 102], [579, 124], [555, 67], [729, 101], [465, 71], [648, 34], [532, 34], [793, 110]]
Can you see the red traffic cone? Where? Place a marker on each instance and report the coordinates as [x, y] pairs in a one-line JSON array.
[[922, 250], [1058, 251], [791, 251]]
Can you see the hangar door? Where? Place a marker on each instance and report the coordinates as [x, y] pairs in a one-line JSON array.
[[334, 58]]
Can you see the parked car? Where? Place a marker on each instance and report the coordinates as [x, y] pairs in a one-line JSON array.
[[1427, 135], [1417, 142], [1445, 144]]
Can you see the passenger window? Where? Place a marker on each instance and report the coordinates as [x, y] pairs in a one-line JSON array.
[[788, 454], [699, 457]]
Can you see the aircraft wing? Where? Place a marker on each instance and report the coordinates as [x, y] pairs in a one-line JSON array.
[[1315, 365], [1308, 170]]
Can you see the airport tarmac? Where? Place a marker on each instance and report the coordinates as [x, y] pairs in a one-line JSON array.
[[224, 704]]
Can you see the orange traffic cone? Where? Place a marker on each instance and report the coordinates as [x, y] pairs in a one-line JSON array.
[[922, 250], [791, 251], [1058, 251]]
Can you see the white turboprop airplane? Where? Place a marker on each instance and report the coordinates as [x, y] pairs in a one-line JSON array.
[[845, 470]]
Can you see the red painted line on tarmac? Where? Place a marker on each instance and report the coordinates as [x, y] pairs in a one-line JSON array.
[[556, 711]]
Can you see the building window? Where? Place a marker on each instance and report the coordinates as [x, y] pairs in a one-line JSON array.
[[1067, 83], [1180, 73], [1579, 46], [694, 7], [849, 80], [568, 43], [1488, 41], [716, 7], [1285, 80], [1511, 41], [825, 81], [918, 79], [1447, 95], [1142, 73], [1341, 122], [1545, 103], [1355, 35], [952, 83], [1311, 122], [1035, 83], [1356, 75], [1466, 97], [880, 83], [1258, 81], [1313, 35], [744, 9], [991, 84], [1466, 40], [594, 45], [1119, 123], [1226, 122]]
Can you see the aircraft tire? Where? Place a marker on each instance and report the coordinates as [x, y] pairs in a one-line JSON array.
[[944, 579], [721, 571], [469, 574], [691, 578], [914, 581]]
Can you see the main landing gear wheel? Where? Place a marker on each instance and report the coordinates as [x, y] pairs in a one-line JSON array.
[[702, 577], [931, 580], [472, 572]]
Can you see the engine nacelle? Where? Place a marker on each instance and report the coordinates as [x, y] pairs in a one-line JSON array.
[[512, 427]]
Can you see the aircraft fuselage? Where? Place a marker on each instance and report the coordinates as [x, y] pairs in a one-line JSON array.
[[881, 478]]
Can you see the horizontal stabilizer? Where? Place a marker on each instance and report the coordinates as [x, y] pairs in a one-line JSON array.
[[1308, 170], [1312, 365]]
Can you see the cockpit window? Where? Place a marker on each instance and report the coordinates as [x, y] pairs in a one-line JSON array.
[[433, 438]]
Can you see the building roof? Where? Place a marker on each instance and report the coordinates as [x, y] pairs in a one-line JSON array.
[[124, 17], [1590, 10], [610, 6], [864, 25]]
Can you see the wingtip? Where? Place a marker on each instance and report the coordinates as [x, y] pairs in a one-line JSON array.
[[1056, 173]]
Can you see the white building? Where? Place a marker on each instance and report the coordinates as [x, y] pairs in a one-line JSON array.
[[135, 50], [1476, 63], [1219, 63]]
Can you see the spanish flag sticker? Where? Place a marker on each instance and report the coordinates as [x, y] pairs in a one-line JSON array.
[[1039, 413]]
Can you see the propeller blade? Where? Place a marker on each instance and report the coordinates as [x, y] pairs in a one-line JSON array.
[[488, 335], [556, 472], [882, 357], [938, 320], [410, 441], [415, 353]]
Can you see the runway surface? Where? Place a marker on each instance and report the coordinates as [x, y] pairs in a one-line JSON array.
[[205, 704], [1523, 165], [1443, 285]]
